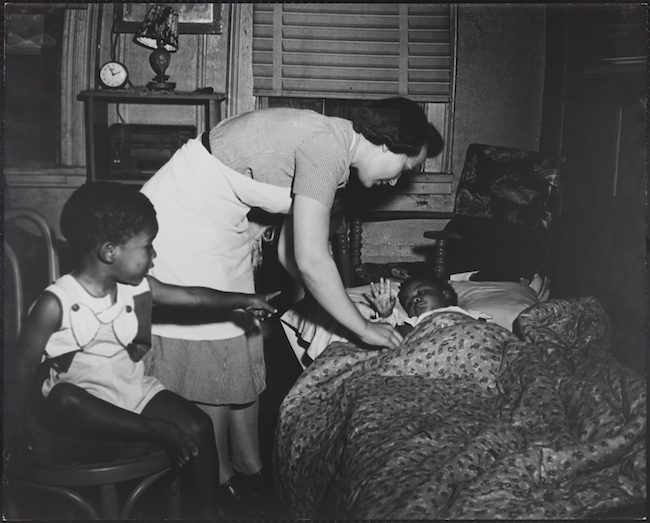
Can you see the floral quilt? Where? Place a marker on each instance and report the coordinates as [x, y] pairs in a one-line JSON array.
[[467, 421]]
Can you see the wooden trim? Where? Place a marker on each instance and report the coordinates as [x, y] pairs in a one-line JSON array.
[[63, 177], [451, 108], [240, 77], [277, 49], [80, 32], [403, 49]]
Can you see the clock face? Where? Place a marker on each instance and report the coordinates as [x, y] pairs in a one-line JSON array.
[[113, 75]]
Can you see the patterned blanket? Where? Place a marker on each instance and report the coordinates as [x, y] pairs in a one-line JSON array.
[[467, 421]]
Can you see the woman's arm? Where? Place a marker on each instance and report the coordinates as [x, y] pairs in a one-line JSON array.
[[320, 275], [286, 251], [43, 320], [166, 294]]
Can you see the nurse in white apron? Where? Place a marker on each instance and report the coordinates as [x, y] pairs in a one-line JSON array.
[[285, 161]]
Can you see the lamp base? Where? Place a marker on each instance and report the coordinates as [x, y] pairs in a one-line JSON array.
[[161, 86]]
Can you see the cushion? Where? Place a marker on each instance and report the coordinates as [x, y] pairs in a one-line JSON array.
[[502, 301]]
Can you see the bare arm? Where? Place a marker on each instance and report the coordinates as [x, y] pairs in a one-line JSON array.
[[166, 294], [43, 320], [320, 275], [285, 249]]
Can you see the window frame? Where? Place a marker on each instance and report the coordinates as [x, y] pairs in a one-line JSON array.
[[79, 50], [439, 109]]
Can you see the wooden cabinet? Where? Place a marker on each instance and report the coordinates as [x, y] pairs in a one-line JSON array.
[[98, 142]]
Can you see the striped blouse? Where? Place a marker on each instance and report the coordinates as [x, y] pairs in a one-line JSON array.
[[296, 148]]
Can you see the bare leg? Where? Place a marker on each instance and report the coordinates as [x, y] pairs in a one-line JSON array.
[[239, 496], [192, 448], [70, 406], [244, 437], [204, 469], [220, 416]]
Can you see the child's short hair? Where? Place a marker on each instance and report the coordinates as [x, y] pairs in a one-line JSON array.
[[99, 212], [436, 282]]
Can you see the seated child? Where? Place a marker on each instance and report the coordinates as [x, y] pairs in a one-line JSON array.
[[92, 327], [420, 297]]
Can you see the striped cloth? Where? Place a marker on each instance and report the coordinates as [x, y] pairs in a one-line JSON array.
[[295, 148]]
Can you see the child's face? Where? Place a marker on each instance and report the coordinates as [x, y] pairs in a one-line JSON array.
[[420, 296], [135, 257]]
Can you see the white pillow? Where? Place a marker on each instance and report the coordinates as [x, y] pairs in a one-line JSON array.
[[502, 300]]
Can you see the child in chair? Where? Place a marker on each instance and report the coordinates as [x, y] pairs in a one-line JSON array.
[[92, 327], [420, 297]]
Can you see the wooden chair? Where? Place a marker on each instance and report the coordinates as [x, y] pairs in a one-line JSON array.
[[410, 200], [68, 467], [501, 191]]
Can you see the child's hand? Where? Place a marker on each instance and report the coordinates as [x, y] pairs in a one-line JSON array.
[[381, 299], [259, 307]]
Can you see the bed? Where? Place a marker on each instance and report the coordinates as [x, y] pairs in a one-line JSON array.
[[467, 420], [526, 416], [310, 330]]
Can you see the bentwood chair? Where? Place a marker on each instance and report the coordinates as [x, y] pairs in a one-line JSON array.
[[103, 479]]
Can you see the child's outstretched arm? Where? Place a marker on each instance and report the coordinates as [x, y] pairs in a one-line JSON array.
[[381, 299], [255, 304], [44, 319]]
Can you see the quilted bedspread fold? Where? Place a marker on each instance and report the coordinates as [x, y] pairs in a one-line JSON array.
[[467, 421]]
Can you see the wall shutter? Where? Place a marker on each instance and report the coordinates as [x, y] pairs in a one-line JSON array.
[[353, 50]]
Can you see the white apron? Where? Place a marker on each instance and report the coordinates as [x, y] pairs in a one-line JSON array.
[[202, 208]]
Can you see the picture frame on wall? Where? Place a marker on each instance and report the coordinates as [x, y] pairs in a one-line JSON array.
[[194, 18]]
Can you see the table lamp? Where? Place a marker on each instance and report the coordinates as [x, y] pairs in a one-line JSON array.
[[159, 31]]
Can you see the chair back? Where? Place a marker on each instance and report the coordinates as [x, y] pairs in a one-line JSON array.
[[505, 204], [510, 185], [14, 261]]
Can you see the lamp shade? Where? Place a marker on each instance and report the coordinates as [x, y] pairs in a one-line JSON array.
[[159, 29]]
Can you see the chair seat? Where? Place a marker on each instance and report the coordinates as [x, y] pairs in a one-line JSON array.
[[66, 465], [91, 463]]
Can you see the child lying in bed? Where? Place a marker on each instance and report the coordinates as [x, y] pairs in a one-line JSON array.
[[420, 297]]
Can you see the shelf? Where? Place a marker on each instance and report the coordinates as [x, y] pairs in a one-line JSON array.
[[136, 96], [97, 129]]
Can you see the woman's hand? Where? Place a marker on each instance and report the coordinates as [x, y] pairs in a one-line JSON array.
[[258, 306], [381, 298], [381, 335]]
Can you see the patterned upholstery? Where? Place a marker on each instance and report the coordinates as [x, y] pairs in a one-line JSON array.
[[510, 185], [505, 203]]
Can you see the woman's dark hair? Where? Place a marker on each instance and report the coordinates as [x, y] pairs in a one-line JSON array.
[[400, 124], [100, 212], [436, 282]]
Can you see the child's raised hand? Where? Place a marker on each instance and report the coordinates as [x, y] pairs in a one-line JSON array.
[[259, 307], [381, 298]]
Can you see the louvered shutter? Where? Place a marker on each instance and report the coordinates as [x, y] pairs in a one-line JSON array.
[[353, 50]]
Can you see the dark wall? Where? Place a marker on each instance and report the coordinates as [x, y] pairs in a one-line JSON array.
[[595, 116], [500, 77]]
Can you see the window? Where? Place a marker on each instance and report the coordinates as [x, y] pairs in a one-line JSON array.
[[328, 57], [32, 63], [49, 51]]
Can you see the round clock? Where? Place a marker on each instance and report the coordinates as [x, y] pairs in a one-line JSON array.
[[113, 75]]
